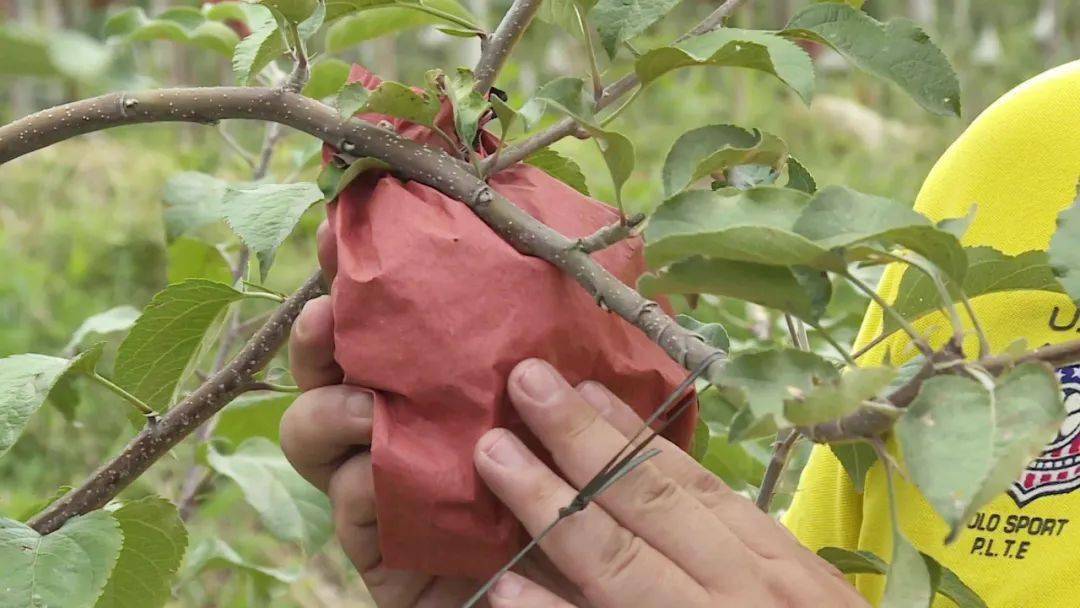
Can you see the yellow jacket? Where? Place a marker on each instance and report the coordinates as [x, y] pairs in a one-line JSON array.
[[1020, 162]]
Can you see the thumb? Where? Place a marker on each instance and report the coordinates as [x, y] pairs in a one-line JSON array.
[[515, 591]]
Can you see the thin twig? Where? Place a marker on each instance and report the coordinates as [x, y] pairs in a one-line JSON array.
[[499, 45], [610, 234], [236, 147], [785, 440], [156, 440], [567, 126]]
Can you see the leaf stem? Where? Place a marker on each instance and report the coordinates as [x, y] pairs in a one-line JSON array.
[[943, 292], [619, 110], [264, 295], [135, 402], [916, 338], [594, 68], [984, 342], [850, 360]]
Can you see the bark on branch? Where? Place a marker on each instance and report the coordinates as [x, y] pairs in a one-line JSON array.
[[612, 93], [502, 41], [156, 440], [410, 161]]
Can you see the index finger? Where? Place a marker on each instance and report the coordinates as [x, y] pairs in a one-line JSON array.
[[327, 251]]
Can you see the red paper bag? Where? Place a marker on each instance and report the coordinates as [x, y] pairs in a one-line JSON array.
[[432, 309]]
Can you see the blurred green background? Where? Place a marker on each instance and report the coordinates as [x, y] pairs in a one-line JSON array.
[[81, 226]]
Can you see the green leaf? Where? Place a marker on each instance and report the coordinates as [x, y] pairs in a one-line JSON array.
[[699, 445], [390, 18], [293, 10], [29, 51], [192, 259], [619, 21], [958, 226], [963, 444], [351, 98], [192, 200], [768, 379], [225, 11], [898, 51], [396, 99], [618, 153], [707, 150], [731, 47], [853, 562], [265, 44], [327, 78], [851, 222], [311, 24], [801, 294], [735, 463], [836, 397], [264, 215], [857, 458], [799, 178], [252, 417], [571, 96], [562, 168], [66, 569], [469, 106], [742, 225], [111, 321], [25, 383], [78, 56], [712, 334], [564, 14], [214, 553], [290, 507], [865, 562], [1064, 249], [989, 271], [911, 579], [164, 342], [179, 24], [334, 179], [154, 543], [952, 587]]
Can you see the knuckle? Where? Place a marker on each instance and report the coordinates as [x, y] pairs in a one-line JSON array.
[[654, 492], [619, 554], [577, 422]]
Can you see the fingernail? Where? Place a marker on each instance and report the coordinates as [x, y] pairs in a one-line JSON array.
[[359, 405], [538, 380], [508, 586], [507, 451]]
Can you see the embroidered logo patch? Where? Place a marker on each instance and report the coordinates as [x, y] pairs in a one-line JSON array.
[[1057, 470]]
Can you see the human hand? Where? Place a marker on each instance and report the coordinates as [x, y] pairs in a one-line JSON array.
[[325, 435], [669, 533]]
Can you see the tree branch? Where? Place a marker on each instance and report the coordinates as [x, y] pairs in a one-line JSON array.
[[613, 92], [154, 441], [610, 234], [409, 159], [785, 440], [874, 420], [502, 42]]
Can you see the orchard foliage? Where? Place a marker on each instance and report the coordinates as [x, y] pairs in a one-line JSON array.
[[743, 221]]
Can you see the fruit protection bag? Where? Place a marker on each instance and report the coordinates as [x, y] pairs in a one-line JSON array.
[[432, 310]]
